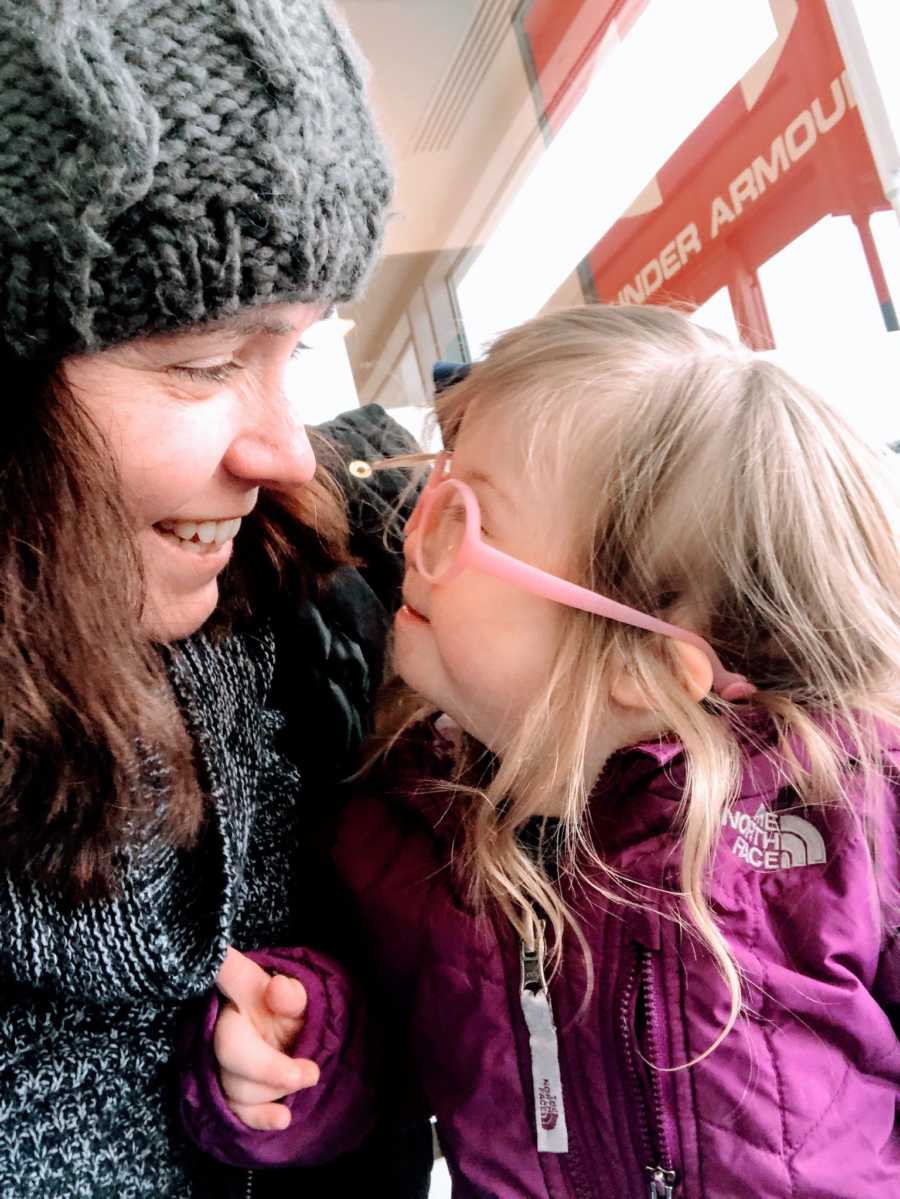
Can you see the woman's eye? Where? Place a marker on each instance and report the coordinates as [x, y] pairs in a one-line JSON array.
[[220, 372]]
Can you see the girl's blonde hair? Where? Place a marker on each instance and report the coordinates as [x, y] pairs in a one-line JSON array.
[[703, 483]]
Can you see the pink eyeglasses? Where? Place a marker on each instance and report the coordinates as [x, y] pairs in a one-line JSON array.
[[448, 520]]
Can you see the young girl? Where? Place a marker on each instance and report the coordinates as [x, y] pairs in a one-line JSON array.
[[636, 896]]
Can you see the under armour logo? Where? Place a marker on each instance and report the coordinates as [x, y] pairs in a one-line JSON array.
[[775, 840]]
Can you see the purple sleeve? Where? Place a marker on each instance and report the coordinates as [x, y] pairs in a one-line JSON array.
[[326, 1120], [887, 831]]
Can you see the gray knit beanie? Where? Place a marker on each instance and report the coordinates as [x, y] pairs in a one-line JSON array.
[[166, 162]]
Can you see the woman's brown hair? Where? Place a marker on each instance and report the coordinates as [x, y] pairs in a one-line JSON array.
[[92, 745]]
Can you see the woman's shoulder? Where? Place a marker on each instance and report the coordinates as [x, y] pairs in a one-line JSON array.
[[368, 432], [379, 501], [329, 653]]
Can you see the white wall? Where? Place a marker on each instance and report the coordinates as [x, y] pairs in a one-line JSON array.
[[320, 379]]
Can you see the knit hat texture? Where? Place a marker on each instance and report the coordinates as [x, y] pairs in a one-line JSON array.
[[167, 162]]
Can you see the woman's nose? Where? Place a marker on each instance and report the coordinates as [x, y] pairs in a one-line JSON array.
[[410, 541], [272, 449]]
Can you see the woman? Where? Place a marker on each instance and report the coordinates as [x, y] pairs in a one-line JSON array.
[[187, 654]]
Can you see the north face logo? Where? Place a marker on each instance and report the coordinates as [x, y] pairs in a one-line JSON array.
[[775, 840], [547, 1104]]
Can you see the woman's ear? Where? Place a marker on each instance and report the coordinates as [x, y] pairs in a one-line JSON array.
[[694, 668]]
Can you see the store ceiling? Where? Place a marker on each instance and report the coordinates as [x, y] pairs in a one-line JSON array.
[[428, 59]]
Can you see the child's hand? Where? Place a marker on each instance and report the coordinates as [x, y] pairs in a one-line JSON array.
[[262, 1017]]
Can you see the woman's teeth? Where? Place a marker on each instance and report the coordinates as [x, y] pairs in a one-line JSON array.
[[200, 537]]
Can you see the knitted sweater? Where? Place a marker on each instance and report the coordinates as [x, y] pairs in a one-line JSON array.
[[91, 997]]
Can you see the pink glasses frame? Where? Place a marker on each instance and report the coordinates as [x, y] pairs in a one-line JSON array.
[[474, 554]]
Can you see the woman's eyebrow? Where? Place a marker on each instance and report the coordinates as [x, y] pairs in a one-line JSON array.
[[248, 325], [252, 325]]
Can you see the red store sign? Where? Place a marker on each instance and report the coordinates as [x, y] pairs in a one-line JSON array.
[[784, 148]]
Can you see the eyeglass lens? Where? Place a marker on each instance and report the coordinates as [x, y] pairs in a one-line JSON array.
[[442, 532]]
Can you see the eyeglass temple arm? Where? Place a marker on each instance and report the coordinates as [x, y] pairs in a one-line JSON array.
[[725, 682]]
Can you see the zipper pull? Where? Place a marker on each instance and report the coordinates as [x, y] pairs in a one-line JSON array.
[[549, 1112], [533, 968], [662, 1182]]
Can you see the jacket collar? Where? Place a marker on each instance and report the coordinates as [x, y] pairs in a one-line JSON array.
[[661, 752]]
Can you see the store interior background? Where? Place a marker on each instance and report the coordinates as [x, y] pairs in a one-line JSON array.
[[461, 109]]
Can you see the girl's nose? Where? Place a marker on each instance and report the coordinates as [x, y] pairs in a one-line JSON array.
[[273, 450]]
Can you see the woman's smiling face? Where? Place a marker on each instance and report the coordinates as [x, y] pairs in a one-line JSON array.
[[197, 423]]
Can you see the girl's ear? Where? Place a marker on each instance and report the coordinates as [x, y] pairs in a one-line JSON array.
[[694, 668]]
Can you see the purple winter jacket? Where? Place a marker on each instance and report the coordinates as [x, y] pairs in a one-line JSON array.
[[799, 1102]]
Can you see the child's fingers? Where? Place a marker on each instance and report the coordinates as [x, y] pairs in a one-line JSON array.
[[285, 996], [241, 1051], [247, 1092], [286, 1004], [265, 1117], [241, 980], [275, 1004]]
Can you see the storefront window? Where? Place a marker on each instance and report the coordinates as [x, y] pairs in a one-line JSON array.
[[715, 156], [659, 78]]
